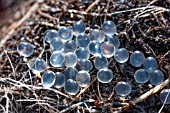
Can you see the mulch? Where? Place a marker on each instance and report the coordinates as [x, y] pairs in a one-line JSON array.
[[141, 25]]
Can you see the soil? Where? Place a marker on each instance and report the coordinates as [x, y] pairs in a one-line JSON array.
[[141, 25]]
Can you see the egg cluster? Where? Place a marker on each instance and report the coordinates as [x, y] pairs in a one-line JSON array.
[[71, 48]]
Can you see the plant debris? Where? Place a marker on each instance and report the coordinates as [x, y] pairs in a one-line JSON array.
[[141, 25]]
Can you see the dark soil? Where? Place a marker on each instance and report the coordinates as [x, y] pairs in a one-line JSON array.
[[140, 26]]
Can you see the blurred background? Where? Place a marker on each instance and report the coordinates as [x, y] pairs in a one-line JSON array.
[[7, 15], [5, 4]]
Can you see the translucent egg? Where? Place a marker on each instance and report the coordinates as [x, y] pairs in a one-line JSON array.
[[70, 73], [97, 35], [71, 87], [37, 64], [56, 45], [150, 64], [83, 53], [113, 40], [165, 96], [84, 64], [109, 28], [65, 33], [50, 34], [78, 27], [107, 49], [25, 49], [60, 80], [82, 40], [156, 77], [123, 88], [48, 79], [83, 78], [101, 62], [70, 46], [105, 75], [141, 76], [137, 58], [56, 59], [95, 48], [121, 55], [70, 59]]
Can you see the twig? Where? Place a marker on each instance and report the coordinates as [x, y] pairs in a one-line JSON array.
[[149, 10], [2, 108], [162, 58], [7, 100], [92, 5], [117, 12], [108, 3], [89, 109], [152, 2], [14, 82], [111, 94], [49, 110], [71, 107], [30, 77], [30, 87], [98, 89], [47, 16], [156, 12], [47, 24], [5, 51], [52, 9], [75, 105], [164, 103], [151, 92], [58, 92], [12, 92], [148, 47], [82, 91], [145, 95], [30, 100], [38, 103]]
